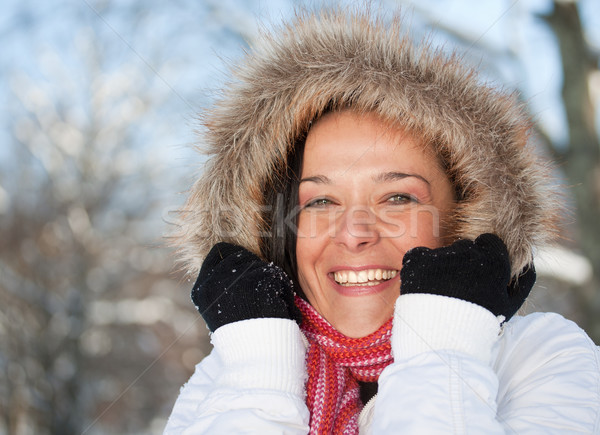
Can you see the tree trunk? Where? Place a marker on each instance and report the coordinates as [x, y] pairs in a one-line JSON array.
[[582, 160]]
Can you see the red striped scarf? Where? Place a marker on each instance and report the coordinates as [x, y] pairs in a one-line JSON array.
[[335, 364]]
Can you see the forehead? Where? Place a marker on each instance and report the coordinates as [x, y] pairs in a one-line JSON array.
[[348, 141]]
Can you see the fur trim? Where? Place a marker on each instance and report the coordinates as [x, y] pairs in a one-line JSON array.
[[335, 59]]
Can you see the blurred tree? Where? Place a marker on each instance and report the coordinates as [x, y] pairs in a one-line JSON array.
[[580, 161], [95, 337]]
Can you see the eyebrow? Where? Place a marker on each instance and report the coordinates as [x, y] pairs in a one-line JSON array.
[[394, 176], [379, 178], [319, 179]]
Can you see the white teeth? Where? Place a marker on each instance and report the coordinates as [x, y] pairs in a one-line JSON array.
[[366, 276], [352, 278], [363, 276]]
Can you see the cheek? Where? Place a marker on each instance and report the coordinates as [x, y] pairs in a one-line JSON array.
[[428, 227], [303, 256], [316, 225], [307, 277], [313, 238], [308, 244], [419, 226]]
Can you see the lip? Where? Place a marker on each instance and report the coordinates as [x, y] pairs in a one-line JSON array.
[[359, 289]]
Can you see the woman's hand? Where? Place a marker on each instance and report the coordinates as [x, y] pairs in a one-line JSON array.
[[475, 271], [234, 284]]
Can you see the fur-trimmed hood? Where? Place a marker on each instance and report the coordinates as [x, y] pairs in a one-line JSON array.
[[330, 60]]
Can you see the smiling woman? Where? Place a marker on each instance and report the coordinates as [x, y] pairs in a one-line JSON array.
[[368, 193], [363, 236]]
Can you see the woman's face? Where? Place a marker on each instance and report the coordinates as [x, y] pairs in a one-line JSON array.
[[368, 193]]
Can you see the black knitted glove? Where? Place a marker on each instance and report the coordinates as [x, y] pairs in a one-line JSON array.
[[475, 271], [234, 284]]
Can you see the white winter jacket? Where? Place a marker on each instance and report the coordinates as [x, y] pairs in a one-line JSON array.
[[455, 371]]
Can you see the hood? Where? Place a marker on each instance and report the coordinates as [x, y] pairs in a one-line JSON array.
[[330, 60]]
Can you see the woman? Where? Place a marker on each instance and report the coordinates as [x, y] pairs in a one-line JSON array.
[[363, 233]]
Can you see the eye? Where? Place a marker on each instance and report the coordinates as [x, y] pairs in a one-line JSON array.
[[318, 203], [401, 198]]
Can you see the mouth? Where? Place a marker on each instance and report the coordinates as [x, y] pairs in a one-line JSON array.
[[366, 277]]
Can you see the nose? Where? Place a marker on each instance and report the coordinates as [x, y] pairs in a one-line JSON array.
[[357, 229]]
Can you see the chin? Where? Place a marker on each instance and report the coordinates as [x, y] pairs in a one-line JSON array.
[[363, 317]]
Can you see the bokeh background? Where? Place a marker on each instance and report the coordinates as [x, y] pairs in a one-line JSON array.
[[97, 332]]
